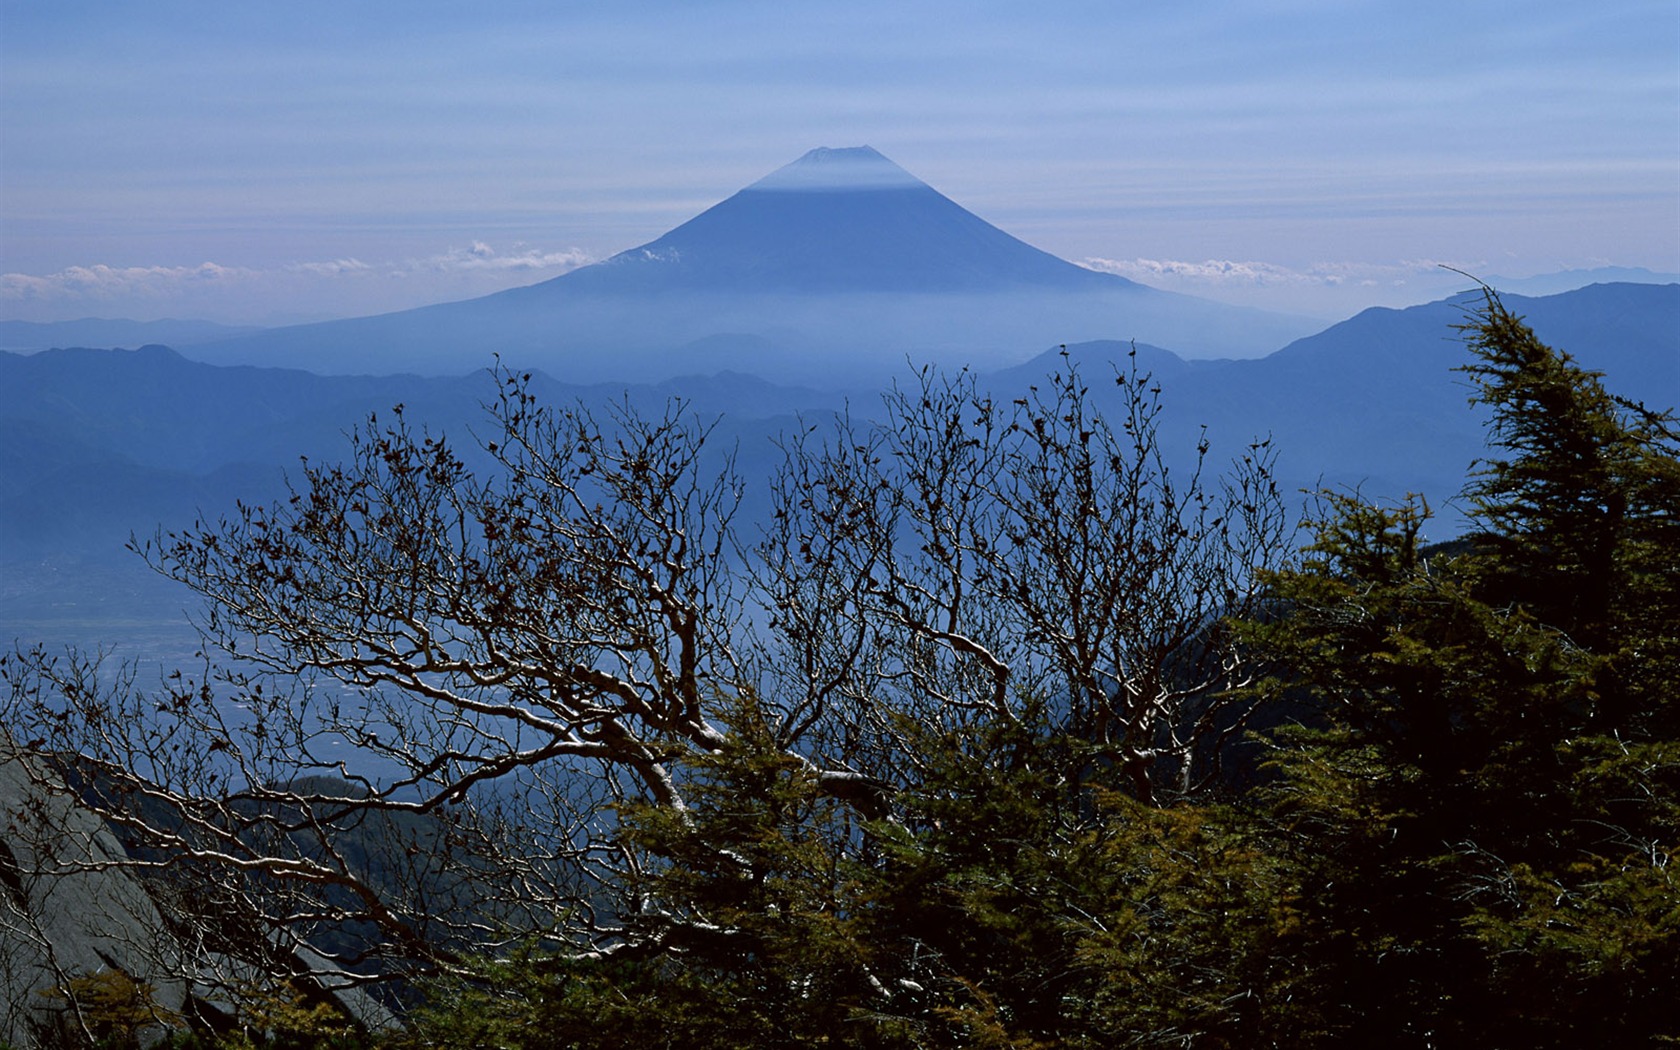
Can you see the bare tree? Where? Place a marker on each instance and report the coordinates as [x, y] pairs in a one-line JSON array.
[[435, 687], [960, 554]]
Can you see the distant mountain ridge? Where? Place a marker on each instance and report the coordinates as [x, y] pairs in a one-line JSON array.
[[96, 445], [99, 442], [1376, 402], [1569, 280]]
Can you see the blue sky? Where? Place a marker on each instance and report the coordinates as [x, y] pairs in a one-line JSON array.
[[270, 162]]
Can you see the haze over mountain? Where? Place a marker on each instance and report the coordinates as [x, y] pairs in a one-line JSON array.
[[1569, 280], [833, 268], [101, 331], [27, 336]]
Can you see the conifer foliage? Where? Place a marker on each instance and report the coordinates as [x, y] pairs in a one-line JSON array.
[[1481, 829]]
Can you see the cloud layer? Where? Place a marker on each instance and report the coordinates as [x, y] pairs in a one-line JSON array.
[[312, 290], [1329, 289]]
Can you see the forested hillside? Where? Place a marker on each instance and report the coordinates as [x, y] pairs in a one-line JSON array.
[[1007, 730]]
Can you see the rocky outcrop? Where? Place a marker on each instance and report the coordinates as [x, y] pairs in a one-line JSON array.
[[73, 917]]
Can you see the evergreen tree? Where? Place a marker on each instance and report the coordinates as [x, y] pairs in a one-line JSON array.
[[1482, 827]]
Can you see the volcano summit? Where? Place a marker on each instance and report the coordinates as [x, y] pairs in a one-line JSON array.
[[833, 268], [839, 220]]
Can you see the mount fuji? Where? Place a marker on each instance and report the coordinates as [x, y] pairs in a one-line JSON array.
[[835, 268], [838, 220]]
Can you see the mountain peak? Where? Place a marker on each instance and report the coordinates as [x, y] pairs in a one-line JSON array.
[[846, 168], [836, 220]]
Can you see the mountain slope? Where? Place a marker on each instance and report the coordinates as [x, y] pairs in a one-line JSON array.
[[1376, 401], [837, 220]]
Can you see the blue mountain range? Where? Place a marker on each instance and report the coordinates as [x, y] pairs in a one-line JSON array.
[[797, 296]]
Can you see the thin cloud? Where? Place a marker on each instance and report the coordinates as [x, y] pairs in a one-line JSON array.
[[101, 281], [313, 288], [335, 268], [481, 256], [1231, 271], [1326, 288]]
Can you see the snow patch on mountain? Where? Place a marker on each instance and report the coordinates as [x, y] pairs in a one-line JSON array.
[[826, 169]]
